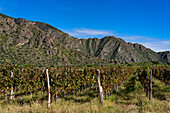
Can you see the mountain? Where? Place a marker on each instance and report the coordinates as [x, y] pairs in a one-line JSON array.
[[165, 57], [37, 43]]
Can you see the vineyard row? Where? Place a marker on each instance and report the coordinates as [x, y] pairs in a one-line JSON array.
[[65, 81]]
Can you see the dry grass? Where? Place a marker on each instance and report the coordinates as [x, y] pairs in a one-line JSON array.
[[60, 107], [88, 107]]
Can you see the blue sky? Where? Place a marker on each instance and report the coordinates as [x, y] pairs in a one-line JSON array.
[[139, 21]]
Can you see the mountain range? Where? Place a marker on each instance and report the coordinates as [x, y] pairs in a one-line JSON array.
[[40, 44]]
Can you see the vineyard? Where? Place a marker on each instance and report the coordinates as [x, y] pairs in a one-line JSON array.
[[63, 82]]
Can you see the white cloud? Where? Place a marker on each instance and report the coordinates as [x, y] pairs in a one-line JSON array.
[[152, 43], [92, 31], [85, 33], [136, 38], [160, 45]]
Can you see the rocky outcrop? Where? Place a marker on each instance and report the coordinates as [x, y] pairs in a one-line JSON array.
[[165, 57]]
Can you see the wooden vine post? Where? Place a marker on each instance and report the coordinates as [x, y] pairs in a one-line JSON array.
[[31, 93], [117, 87], [93, 83], [56, 98], [150, 86], [100, 87], [6, 99], [11, 98], [48, 85]]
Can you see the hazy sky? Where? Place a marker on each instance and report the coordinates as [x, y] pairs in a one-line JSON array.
[[139, 21]]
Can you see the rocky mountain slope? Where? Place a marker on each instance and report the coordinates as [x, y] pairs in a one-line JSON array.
[[165, 57], [37, 43]]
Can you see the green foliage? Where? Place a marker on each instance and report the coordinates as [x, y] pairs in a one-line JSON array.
[[62, 81], [3, 39], [162, 73]]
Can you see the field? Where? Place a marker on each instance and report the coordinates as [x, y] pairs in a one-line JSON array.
[[129, 97]]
